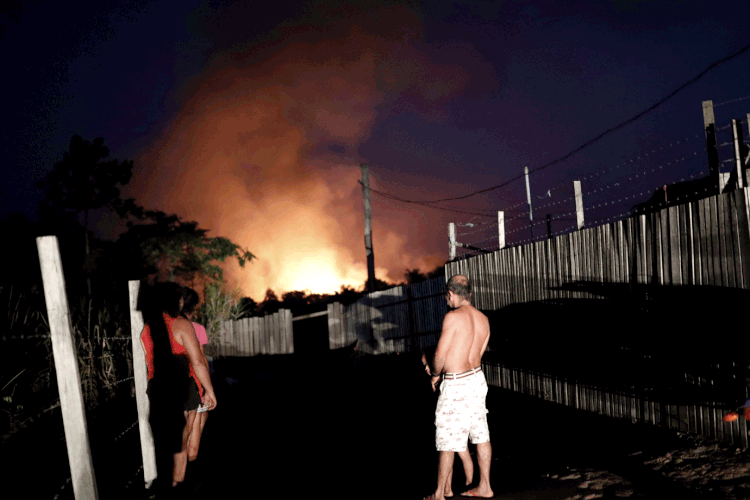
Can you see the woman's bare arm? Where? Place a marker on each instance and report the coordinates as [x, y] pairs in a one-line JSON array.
[[185, 334]]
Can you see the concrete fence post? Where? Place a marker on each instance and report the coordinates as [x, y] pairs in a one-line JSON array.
[[66, 369]]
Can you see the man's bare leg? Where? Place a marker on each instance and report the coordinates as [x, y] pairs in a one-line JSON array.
[[484, 459], [448, 489], [180, 459], [465, 457], [195, 435], [468, 465], [445, 467]]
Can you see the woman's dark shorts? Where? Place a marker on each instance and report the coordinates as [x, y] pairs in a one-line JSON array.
[[193, 400]]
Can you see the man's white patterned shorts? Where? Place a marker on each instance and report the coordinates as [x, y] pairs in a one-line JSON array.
[[461, 413]]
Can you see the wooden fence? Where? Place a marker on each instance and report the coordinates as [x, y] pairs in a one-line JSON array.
[[704, 242], [271, 334], [697, 249], [702, 419], [401, 319]]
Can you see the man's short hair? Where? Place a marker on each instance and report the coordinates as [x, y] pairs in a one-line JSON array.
[[459, 285]]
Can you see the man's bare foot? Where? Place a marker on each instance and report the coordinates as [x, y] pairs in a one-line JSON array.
[[479, 491], [435, 496]]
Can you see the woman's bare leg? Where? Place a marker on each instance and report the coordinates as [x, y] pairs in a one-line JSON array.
[[195, 436], [180, 459]]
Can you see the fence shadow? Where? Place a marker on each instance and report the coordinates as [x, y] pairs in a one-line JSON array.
[[676, 341]]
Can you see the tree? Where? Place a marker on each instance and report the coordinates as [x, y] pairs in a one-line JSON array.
[[379, 285], [247, 307], [178, 249], [414, 276], [270, 304], [83, 181]]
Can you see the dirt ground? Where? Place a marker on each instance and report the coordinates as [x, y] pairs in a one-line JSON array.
[[346, 427]]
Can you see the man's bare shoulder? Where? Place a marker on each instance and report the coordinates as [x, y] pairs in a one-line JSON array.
[[460, 314]]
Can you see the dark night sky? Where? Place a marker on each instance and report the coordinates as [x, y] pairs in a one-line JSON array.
[[253, 120]]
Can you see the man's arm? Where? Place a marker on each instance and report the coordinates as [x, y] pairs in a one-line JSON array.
[[444, 344]]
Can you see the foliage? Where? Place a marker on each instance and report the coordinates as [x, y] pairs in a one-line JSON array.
[[270, 304], [28, 386], [84, 181], [414, 276], [179, 248], [219, 305]]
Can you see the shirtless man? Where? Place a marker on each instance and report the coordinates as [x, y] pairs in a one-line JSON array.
[[461, 412]]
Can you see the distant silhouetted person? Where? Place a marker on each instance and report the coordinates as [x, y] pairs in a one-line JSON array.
[[461, 412], [178, 377]]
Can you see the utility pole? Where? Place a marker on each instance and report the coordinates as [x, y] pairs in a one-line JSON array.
[[368, 227]]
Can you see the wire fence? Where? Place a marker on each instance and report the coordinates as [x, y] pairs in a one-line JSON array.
[[29, 399], [611, 193]]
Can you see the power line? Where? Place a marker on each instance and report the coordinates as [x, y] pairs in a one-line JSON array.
[[394, 198], [591, 141]]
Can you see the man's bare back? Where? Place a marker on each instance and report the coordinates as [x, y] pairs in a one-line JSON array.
[[472, 332], [464, 337]]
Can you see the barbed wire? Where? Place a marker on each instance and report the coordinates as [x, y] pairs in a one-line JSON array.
[[731, 101], [566, 230], [630, 161], [615, 184], [130, 482], [62, 488], [683, 179], [119, 382], [69, 479], [723, 127], [644, 174], [47, 335], [24, 337], [698, 194], [589, 177], [126, 431]]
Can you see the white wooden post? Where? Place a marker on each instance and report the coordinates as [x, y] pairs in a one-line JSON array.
[[528, 200], [579, 204], [289, 331], [140, 374], [501, 229], [709, 125], [66, 368], [451, 241], [737, 136]]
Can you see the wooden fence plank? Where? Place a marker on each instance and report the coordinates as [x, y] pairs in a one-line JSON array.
[[715, 255], [675, 255], [725, 228], [704, 239]]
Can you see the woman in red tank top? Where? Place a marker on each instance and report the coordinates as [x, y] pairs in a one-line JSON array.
[[178, 376]]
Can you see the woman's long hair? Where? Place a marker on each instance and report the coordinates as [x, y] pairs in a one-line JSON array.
[[168, 389], [170, 375]]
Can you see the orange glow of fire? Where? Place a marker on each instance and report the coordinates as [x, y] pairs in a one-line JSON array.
[[239, 157]]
